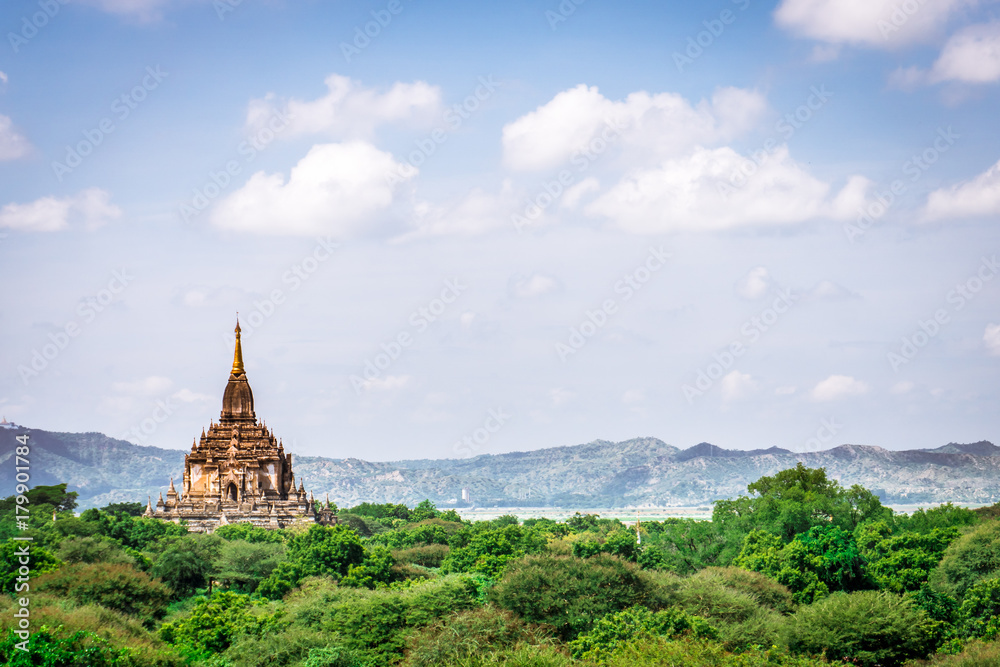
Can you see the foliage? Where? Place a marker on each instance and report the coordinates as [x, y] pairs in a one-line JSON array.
[[487, 550], [81, 649], [92, 550], [430, 555], [463, 636], [619, 543], [570, 593], [790, 503], [374, 571], [695, 653], [250, 533], [215, 623], [974, 654], [187, 563], [132, 509], [869, 628], [969, 559], [321, 550], [39, 561], [903, 561], [763, 589], [115, 586], [681, 545], [980, 611], [624, 627], [242, 565]]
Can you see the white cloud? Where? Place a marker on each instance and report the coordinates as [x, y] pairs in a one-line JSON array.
[[3, 78], [476, 213], [187, 396], [737, 385], [785, 391], [151, 386], [12, 144], [144, 11], [633, 396], [992, 338], [976, 198], [537, 284], [829, 290], [836, 387], [334, 189], [901, 388], [696, 192], [91, 207], [560, 396], [661, 125], [873, 23], [755, 284], [349, 109], [388, 383], [575, 193], [971, 55]]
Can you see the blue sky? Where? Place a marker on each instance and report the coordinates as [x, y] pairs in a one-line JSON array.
[[747, 223]]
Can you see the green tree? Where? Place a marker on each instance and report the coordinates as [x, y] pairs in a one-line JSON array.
[[903, 561], [979, 614], [569, 593], [214, 623], [866, 628], [242, 565], [487, 550], [115, 586], [968, 560], [626, 626], [38, 561]]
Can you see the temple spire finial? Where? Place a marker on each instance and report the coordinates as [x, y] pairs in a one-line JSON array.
[[238, 353]]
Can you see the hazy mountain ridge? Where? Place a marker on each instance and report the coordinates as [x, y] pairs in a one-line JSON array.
[[641, 471]]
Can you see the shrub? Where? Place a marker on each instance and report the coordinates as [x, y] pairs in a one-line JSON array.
[[570, 593], [693, 653], [214, 623], [242, 565], [429, 555], [81, 649], [975, 654], [870, 628], [41, 561], [765, 590], [463, 636], [624, 627], [250, 533], [118, 587], [971, 558], [488, 549], [291, 647], [740, 618], [92, 550], [980, 611]]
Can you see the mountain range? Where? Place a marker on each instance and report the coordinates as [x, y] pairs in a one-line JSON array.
[[642, 472]]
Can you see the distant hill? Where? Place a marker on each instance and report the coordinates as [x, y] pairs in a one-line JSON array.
[[637, 472]]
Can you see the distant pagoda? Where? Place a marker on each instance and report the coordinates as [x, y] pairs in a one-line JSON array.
[[237, 472]]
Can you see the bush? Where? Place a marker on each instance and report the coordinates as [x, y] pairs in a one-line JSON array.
[[291, 647], [975, 654], [765, 590], [624, 627], [118, 587], [570, 593], [694, 653], [740, 618], [92, 550], [488, 549], [969, 559], [463, 636], [980, 611], [430, 555], [870, 628], [63, 618], [242, 565], [41, 561], [81, 649], [214, 624]]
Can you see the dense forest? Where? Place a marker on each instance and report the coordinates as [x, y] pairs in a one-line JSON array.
[[799, 572]]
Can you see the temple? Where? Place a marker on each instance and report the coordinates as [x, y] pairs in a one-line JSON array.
[[237, 472]]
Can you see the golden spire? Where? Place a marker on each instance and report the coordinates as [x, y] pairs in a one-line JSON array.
[[238, 354]]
